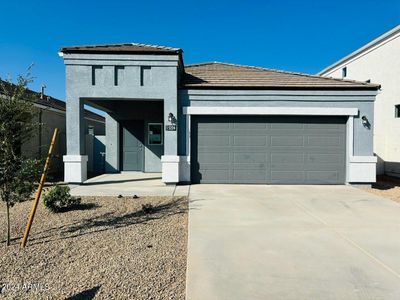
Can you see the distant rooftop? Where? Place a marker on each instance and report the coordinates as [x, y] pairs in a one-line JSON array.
[[132, 48], [54, 103]]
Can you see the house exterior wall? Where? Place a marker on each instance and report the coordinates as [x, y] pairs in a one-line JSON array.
[[361, 136], [380, 64], [38, 145], [140, 77], [150, 79], [150, 112]]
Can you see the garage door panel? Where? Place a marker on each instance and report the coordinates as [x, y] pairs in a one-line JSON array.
[[256, 166], [214, 157], [214, 125], [287, 167], [324, 141], [214, 176], [248, 176], [250, 126], [287, 177], [266, 149], [323, 176], [287, 140], [250, 141], [215, 166], [285, 158], [249, 158], [287, 126], [326, 127], [215, 141], [333, 158]]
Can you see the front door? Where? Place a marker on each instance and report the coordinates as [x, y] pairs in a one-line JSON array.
[[132, 145]]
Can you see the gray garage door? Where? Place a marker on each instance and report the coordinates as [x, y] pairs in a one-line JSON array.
[[268, 149]]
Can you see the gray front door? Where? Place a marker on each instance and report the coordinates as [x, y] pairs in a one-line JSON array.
[[268, 149], [132, 145]]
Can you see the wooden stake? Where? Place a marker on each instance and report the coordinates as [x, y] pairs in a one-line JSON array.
[[40, 188]]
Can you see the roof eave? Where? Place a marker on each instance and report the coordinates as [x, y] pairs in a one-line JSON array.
[[158, 52], [337, 88]]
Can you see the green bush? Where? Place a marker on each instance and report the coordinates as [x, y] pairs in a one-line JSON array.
[[59, 199]]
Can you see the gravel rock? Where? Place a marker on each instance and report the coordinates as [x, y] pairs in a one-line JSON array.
[[388, 187], [106, 249]]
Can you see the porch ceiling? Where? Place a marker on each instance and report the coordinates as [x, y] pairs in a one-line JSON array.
[[112, 105]]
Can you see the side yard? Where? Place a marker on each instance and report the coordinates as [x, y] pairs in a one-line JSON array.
[[107, 249]]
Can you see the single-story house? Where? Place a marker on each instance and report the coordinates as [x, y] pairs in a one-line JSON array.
[[378, 61], [217, 122], [51, 114]]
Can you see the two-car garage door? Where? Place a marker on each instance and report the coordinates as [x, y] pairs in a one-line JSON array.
[[268, 149]]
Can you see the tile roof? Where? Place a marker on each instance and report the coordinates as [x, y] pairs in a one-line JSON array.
[[222, 75], [130, 48], [54, 103]]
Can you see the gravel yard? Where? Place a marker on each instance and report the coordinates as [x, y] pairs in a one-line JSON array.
[[107, 249], [388, 187]]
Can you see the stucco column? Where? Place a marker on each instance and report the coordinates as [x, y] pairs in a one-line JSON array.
[[170, 159], [112, 145], [75, 162]]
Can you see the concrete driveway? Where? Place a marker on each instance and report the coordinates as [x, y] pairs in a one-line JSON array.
[[292, 242]]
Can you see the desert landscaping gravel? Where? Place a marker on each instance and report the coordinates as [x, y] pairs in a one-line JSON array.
[[106, 249], [388, 187]]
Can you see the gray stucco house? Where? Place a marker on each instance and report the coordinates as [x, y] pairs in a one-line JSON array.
[[217, 122]]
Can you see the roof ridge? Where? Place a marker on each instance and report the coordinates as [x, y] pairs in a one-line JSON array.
[[155, 46], [94, 46], [285, 72]]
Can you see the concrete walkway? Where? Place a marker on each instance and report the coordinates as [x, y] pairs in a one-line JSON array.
[[292, 242], [128, 184]]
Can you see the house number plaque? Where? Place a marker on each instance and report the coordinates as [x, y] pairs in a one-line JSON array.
[[170, 127]]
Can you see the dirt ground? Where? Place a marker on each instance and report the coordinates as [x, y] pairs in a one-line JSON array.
[[388, 187], [107, 248]]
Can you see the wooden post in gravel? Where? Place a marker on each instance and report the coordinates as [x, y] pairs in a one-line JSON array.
[[40, 188]]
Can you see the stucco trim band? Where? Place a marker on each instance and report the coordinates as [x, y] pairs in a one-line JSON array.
[[303, 111]]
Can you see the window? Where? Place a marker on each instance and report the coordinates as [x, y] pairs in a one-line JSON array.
[[397, 111], [344, 72], [155, 133]]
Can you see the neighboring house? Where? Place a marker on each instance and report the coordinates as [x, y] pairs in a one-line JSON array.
[[217, 122], [379, 61], [51, 114]]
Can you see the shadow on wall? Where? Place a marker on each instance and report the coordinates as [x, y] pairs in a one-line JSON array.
[[392, 168]]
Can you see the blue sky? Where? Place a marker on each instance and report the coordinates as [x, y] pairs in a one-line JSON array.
[[302, 36]]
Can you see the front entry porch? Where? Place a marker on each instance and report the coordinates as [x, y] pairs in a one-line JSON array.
[[136, 140], [128, 184]]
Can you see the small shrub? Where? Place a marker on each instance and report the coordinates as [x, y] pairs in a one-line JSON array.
[[59, 199], [148, 208]]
